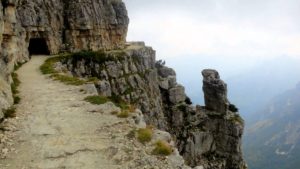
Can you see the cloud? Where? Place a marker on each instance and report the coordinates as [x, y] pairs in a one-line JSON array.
[[231, 28]]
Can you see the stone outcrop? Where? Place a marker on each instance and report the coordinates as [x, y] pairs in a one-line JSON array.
[[130, 75], [215, 91], [209, 136]]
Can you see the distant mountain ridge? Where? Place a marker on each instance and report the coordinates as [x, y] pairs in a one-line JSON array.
[[273, 140]]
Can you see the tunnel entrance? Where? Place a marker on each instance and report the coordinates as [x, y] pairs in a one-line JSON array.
[[38, 46]]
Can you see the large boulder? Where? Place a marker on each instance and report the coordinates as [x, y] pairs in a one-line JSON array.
[[215, 91]]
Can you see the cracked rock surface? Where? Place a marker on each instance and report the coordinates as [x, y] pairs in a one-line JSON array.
[[57, 129]]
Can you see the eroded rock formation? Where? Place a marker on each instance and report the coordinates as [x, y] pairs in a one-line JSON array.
[[215, 91], [209, 136]]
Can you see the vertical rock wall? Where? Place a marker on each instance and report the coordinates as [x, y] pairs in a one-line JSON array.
[[74, 25], [42, 19], [95, 24], [9, 51]]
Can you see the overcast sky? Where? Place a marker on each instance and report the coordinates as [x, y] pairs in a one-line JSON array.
[[236, 37], [249, 29]]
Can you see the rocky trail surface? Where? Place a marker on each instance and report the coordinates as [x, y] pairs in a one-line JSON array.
[[56, 129]]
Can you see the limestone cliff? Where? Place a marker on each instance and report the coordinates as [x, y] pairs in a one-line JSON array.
[[75, 25], [209, 137]]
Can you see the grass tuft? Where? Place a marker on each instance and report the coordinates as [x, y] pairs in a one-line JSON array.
[[123, 114], [114, 113], [17, 99], [145, 135], [47, 67], [10, 113], [15, 84], [237, 118], [97, 99], [68, 80], [162, 148], [119, 102], [14, 87]]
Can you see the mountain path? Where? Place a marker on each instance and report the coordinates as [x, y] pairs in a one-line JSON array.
[[57, 128]]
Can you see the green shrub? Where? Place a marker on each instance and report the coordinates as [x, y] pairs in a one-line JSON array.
[[182, 107], [233, 108], [96, 99], [188, 101], [145, 135], [162, 148]]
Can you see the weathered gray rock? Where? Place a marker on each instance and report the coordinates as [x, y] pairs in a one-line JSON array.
[[90, 89], [104, 88], [172, 81], [177, 94], [215, 91], [165, 72], [164, 84], [139, 119]]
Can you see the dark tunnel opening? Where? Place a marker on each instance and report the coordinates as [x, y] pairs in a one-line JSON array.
[[38, 46]]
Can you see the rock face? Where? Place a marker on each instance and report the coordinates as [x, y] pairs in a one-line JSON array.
[[130, 75], [8, 52], [215, 91], [75, 25]]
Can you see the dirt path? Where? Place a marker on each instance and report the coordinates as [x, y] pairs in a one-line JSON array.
[[57, 129]]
